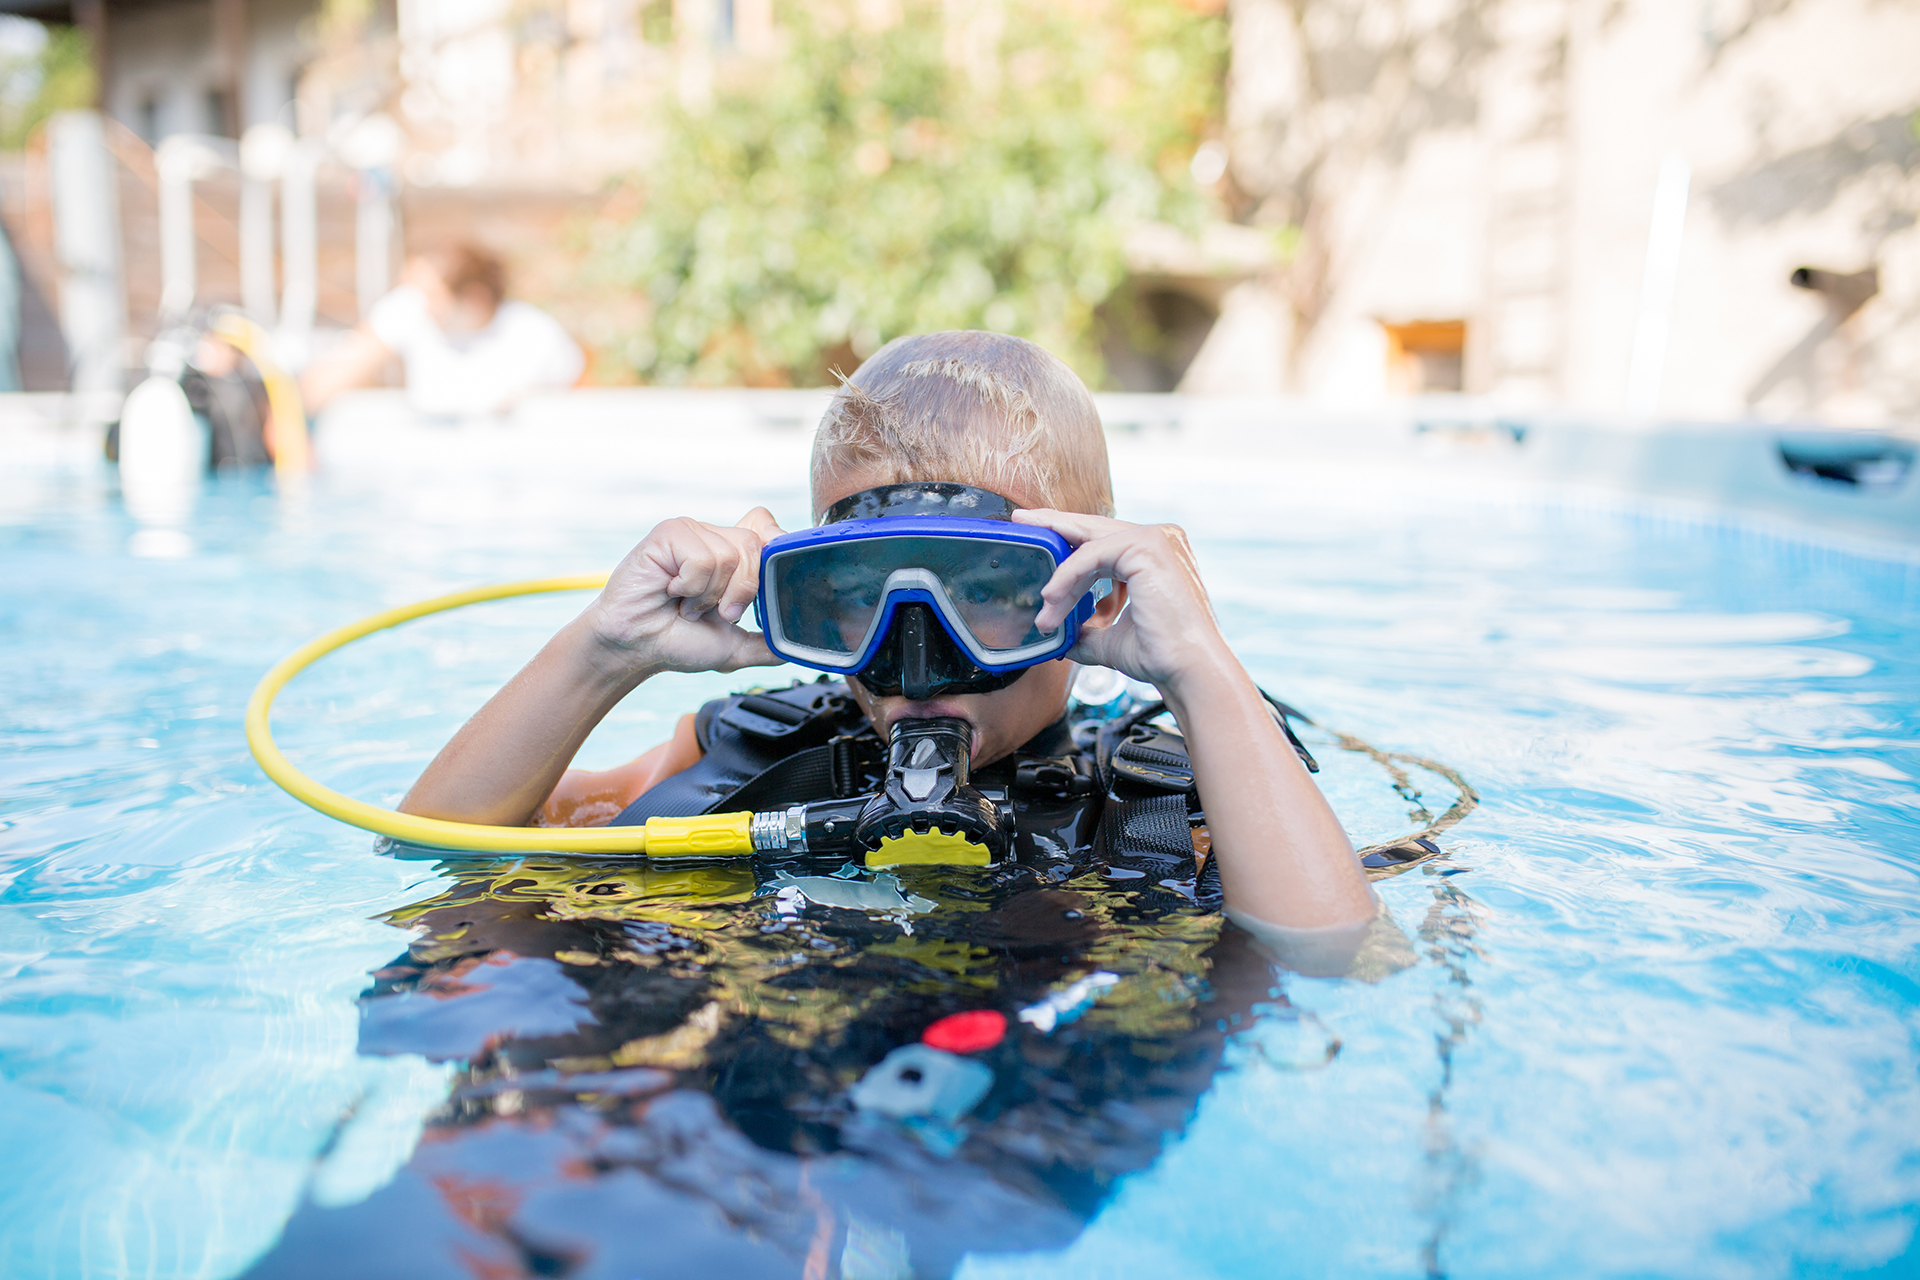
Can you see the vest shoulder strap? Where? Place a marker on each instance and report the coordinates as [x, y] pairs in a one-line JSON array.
[[762, 750]]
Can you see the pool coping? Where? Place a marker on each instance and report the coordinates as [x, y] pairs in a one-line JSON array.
[[1855, 488]]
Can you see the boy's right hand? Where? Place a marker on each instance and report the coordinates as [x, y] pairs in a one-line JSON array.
[[674, 601]]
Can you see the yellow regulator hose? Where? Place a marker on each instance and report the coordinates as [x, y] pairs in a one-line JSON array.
[[707, 835]]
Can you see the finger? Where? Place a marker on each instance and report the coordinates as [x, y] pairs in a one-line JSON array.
[[704, 575], [696, 558], [1075, 576], [1074, 526], [730, 594], [745, 581], [749, 650], [1137, 549], [1100, 647], [761, 523], [678, 552], [738, 554], [659, 553]]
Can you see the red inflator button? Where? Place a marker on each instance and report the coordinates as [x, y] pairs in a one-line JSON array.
[[967, 1032]]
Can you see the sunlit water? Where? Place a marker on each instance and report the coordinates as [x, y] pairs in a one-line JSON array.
[[1664, 1021]]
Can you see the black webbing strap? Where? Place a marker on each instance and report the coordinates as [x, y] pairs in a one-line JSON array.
[[802, 776], [795, 779], [1153, 828], [1206, 886]]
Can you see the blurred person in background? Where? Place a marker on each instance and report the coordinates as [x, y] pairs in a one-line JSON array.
[[465, 348], [223, 386]]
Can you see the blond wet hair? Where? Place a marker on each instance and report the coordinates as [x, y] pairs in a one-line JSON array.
[[985, 409]]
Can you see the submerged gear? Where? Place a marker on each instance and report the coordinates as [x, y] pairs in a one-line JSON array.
[[916, 589], [927, 810], [639, 1083], [718, 1060]]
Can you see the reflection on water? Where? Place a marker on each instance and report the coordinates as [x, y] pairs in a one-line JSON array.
[[658, 1066], [727, 1060], [1447, 932], [1687, 1050]]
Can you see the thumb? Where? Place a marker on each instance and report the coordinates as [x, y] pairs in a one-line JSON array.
[[1101, 647], [760, 521], [749, 650]]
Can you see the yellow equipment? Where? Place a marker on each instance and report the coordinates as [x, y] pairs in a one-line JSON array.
[[286, 429], [708, 835]]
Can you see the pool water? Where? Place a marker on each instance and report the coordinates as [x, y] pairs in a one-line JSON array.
[[1663, 1019]]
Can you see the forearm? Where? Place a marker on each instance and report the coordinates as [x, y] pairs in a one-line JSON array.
[[593, 798], [1284, 857], [358, 364], [505, 761]]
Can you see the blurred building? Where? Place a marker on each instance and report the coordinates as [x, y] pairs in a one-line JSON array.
[[494, 92], [418, 121], [1704, 209]]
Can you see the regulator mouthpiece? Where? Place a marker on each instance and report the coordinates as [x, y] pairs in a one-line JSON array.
[[927, 811]]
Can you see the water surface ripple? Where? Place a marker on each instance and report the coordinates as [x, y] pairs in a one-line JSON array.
[[1663, 1023]]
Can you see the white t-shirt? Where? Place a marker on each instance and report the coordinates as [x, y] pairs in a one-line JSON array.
[[522, 349]]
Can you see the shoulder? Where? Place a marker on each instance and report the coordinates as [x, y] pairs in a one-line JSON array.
[[523, 319], [539, 343]]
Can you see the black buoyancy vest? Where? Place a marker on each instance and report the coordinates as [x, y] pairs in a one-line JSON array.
[[1122, 799], [768, 750]]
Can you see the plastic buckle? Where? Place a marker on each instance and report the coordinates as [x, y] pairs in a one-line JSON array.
[[1155, 758], [1056, 776], [775, 719]]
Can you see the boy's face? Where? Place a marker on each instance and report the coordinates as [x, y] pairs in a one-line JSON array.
[[1003, 719]]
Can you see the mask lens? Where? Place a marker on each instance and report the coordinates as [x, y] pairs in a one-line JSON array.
[[996, 587], [827, 595]]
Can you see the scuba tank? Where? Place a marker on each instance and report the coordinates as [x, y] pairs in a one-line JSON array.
[[213, 399]]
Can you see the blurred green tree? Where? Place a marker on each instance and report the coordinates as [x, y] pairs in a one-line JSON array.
[[876, 178], [40, 74]]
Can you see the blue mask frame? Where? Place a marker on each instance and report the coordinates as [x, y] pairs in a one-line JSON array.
[[904, 587]]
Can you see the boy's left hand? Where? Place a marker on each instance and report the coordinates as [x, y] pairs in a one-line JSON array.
[[1166, 630]]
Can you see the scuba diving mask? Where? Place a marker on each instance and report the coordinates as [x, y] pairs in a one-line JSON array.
[[917, 590]]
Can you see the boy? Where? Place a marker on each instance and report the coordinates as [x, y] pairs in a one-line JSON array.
[[716, 1069], [973, 408], [466, 348]]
